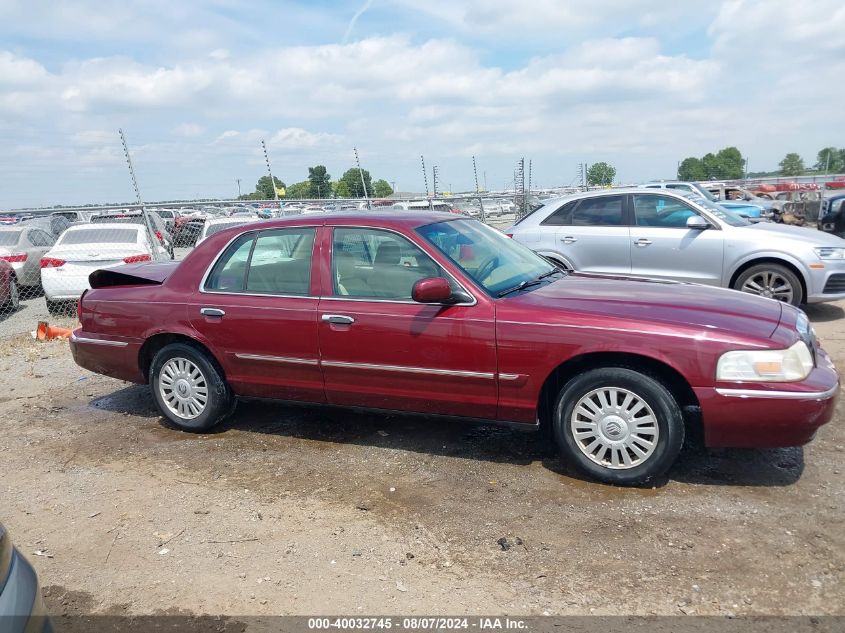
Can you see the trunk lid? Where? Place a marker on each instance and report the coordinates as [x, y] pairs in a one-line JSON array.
[[133, 275]]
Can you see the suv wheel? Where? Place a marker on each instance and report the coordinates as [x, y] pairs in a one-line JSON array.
[[618, 425], [189, 388], [771, 280]]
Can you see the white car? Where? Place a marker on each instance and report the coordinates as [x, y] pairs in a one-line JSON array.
[[88, 247], [221, 224]]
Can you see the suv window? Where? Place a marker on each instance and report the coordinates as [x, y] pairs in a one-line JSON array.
[[370, 263], [598, 211], [562, 216], [277, 261], [661, 211]]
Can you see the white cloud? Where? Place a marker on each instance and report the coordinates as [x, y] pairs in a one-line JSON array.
[[188, 130]]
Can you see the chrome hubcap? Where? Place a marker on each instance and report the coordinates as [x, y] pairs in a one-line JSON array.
[[183, 388], [769, 284], [615, 428]]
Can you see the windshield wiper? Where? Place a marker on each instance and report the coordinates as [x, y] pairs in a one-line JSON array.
[[522, 285]]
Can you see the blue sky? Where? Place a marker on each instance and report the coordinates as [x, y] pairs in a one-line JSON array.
[[197, 83]]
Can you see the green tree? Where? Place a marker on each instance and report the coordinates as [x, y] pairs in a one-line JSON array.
[[791, 165], [263, 189], [382, 189], [352, 179], [319, 180], [830, 160], [730, 165], [341, 190], [727, 164], [691, 169], [299, 190], [601, 174]]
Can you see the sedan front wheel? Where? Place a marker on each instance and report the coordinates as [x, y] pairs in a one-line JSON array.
[[618, 425]]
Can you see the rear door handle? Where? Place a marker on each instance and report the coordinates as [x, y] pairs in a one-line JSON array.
[[338, 319], [569, 239], [642, 242], [212, 312]]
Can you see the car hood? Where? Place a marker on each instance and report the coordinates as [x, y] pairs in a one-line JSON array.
[[631, 301], [807, 236]]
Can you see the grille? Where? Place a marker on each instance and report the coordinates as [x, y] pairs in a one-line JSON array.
[[835, 284]]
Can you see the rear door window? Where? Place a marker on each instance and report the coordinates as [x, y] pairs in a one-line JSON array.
[[599, 211], [276, 262]]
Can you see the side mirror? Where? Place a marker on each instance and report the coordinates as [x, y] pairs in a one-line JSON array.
[[432, 290], [697, 223]]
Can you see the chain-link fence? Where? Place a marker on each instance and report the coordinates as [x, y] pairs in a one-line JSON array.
[[46, 256]]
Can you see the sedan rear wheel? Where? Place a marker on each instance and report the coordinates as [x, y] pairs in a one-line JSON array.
[[618, 425], [189, 388], [772, 281]]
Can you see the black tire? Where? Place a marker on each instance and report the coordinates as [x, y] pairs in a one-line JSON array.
[[774, 269], [14, 301], [219, 403], [56, 308], [667, 414]]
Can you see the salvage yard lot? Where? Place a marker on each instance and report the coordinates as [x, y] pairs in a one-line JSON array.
[[302, 510]]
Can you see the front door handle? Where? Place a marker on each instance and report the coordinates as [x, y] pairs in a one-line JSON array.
[[212, 312], [338, 319], [642, 242], [569, 239]]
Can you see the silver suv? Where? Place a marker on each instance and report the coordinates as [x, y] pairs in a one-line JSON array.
[[685, 237]]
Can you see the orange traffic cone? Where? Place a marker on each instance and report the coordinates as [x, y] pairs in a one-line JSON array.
[[46, 332]]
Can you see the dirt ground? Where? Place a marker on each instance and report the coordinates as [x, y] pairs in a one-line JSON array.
[[297, 510]]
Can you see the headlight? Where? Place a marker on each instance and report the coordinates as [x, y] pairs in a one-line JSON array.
[[830, 252], [773, 365]]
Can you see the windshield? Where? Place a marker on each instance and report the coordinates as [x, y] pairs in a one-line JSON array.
[[9, 238], [704, 193], [100, 236], [720, 212], [493, 260]]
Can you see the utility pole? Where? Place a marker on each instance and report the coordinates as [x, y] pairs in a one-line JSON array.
[[269, 171], [434, 173], [361, 173], [529, 176], [425, 179], [238, 180], [478, 193], [151, 233]]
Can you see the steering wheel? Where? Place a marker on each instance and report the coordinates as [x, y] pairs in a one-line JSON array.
[[487, 266]]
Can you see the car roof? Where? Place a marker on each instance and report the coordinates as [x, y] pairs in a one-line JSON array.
[[618, 191], [389, 219]]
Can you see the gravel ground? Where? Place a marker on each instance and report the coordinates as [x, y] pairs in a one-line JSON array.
[[299, 510]]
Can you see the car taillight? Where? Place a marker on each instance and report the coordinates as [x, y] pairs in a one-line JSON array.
[[135, 259], [52, 262], [509, 235], [158, 235], [15, 258]]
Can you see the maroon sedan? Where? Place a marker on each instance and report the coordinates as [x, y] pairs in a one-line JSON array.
[[437, 314]]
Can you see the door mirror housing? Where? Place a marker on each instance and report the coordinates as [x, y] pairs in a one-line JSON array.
[[697, 223], [432, 290]]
